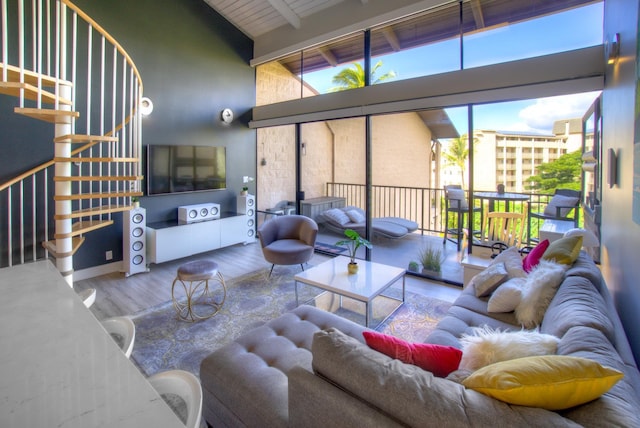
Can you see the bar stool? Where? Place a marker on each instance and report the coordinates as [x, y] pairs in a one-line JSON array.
[[194, 277]]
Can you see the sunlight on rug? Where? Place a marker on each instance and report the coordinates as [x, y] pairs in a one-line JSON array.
[[163, 342]]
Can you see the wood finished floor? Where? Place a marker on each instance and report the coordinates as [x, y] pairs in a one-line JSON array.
[[118, 295]]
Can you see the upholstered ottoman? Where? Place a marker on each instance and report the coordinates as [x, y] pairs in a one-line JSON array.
[[256, 366]]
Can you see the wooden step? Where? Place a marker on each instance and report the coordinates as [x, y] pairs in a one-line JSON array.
[[89, 212], [88, 196], [78, 138], [31, 77], [84, 226], [96, 159], [48, 115], [16, 89], [101, 178], [50, 246]]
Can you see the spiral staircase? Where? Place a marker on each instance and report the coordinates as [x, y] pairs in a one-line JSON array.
[[65, 69]]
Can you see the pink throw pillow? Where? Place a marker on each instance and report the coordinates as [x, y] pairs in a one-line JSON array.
[[533, 258], [438, 359]]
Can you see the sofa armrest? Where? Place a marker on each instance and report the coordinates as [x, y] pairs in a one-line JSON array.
[[314, 402]]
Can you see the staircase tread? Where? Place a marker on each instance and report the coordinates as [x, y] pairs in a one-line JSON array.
[[14, 89], [51, 247], [95, 159], [13, 75], [82, 138], [48, 115]]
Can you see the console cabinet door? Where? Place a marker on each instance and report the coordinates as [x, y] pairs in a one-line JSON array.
[[204, 236], [233, 230]]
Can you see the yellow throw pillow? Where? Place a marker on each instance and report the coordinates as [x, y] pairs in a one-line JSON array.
[[564, 250], [552, 382]]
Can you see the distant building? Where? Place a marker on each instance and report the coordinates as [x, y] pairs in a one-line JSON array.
[[510, 158]]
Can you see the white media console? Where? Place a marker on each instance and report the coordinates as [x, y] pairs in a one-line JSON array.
[[170, 240]]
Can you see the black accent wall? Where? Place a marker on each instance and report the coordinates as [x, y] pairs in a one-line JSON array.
[[193, 64]]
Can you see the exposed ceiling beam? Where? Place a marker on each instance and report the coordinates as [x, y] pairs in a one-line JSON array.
[[328, 56], [478, 16], [391, 38], [288, 14]]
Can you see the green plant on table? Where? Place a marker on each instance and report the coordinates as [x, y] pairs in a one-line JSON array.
[[353, 242]]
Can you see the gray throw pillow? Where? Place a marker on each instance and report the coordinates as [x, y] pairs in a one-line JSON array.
[[489, 279], [337, 216], [560, 201], [457, 199]]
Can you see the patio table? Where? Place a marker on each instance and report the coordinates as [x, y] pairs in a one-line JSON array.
[[509, 198]]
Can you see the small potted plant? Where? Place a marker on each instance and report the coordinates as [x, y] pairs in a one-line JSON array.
[[244, 191], [431, 258], [353, 242], [135, 201], [413, 266]]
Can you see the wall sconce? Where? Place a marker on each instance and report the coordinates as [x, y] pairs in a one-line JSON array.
[[226, 115], [612, 173], [263, 162], [303, 149], [613, 48], [146, 106]]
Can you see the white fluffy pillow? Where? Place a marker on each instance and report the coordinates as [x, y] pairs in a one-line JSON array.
[[486, 346], [541, 285], [507, 296]]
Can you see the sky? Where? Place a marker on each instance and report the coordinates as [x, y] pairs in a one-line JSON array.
[[573, 29]]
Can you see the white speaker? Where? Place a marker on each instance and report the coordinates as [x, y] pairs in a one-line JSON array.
[[134, 243], [200, 212], [247, 205]]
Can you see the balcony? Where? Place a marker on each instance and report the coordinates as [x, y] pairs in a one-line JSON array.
[[425, 206]]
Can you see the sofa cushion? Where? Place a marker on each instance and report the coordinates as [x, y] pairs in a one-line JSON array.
[[564, 250], [553, 382], [438, 359], [507, 297], [512, 261], [532, 259], [484, 346], [355, 216], [540, 287], [414, 397], [577, 303], [489, 279]]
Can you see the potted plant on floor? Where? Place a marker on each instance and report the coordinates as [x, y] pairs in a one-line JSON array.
[[353, 242], [431, 258]]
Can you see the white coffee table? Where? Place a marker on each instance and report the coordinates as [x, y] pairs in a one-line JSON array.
[[370, 282]]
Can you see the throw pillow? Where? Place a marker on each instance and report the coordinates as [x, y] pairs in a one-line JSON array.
[[438, 359], [507, 296], [533, 258], [337, 216], [560, 201], [457, 199], [486, 346], [564, 250], [540, 287], [553, 382], [489, 279], [355, 216], [512, 261]]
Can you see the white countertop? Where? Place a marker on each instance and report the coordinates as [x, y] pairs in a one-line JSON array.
[[59, 367]]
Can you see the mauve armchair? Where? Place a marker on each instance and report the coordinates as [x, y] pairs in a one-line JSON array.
[[288, 240]]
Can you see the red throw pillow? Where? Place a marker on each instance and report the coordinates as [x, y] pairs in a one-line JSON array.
[[533, 258], [438, 359]]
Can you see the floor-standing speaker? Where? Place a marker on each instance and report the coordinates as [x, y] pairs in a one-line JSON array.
[[247, 206], [134, 243]]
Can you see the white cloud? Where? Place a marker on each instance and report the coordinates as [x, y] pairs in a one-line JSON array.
[[541, 115]]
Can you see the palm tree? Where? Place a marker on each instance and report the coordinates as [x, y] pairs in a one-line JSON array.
[[353, 77], [457, 153]]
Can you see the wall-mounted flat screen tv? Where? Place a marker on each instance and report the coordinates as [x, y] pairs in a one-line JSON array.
[[173, 169]]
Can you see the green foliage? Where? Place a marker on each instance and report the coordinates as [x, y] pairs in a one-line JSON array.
[[457, 153], [431, 257], [563, 173], [351, 78], [354, 242]]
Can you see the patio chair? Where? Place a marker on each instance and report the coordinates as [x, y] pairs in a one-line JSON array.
[[457, 203], [563, 206], [502, 230]]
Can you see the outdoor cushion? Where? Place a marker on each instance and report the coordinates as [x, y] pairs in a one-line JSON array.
[[565, 203]]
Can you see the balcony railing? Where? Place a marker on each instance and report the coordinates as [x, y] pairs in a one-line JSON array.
[[426, 206]]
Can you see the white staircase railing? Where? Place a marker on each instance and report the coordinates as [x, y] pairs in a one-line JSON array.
[[66, 69]]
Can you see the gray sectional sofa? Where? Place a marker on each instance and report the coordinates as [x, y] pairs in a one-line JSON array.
[[310, 368]]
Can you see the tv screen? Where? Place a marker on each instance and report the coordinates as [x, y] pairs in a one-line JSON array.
[[173, 169]]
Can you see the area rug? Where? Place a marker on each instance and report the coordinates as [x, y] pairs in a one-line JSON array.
[[163, 342], [329, 249]]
